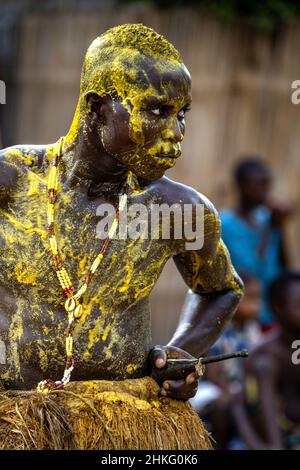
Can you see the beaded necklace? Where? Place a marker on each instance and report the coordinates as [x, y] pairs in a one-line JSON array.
[[73, 304]]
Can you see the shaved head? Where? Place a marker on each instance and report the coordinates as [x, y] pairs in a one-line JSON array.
[[114, 60]]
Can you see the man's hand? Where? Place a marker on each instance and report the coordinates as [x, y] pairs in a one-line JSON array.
[[178, 389]]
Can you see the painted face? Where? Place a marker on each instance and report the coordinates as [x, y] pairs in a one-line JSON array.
[[144, 130]]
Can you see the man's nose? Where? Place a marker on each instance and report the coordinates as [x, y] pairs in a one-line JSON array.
[[174, 133]]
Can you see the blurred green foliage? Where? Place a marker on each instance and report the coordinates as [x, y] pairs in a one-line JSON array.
[[265, 14]]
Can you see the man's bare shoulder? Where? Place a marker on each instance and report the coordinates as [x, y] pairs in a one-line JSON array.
[[17, 161], [27, 156], [176, 192]]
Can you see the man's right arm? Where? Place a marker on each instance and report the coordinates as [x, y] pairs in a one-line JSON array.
[[8, 176]]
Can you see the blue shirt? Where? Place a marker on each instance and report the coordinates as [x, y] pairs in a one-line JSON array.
[[243, 242]]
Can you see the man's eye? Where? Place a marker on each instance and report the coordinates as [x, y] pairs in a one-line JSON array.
[[156, 111], [182, 112]]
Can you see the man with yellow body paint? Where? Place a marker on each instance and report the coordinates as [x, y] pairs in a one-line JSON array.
[[134, 94]]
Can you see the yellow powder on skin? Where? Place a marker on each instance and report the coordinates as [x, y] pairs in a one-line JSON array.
[[121, 282], [112, 66]]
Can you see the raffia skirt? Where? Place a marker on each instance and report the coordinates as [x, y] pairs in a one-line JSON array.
[[98, 415]]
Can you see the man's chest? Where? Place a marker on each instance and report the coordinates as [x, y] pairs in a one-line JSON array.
[[130, 265]]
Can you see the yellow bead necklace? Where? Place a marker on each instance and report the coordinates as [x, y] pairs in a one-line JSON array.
[[73, 304]]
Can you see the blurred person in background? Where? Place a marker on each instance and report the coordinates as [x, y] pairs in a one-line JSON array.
[[223, 380], [253, 230], [268, 414]]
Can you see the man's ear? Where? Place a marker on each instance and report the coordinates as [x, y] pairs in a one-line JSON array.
[[96, 104]]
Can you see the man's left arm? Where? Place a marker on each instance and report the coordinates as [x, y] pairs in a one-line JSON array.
[[214, 294]]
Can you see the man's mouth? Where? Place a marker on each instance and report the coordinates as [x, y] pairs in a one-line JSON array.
[[172, 155]]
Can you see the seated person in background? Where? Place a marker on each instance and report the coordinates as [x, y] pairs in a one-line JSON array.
[[268, 414], [253, 229], [224, 378]]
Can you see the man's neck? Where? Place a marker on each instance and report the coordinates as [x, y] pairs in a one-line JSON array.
[[87, 164]]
